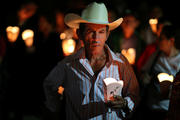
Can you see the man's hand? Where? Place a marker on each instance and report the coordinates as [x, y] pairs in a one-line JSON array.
[[118, 103]]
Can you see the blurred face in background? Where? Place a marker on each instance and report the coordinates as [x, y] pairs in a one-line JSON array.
[[27, 11], [166, 44], [44, 26], [60, 27], [129, 24]]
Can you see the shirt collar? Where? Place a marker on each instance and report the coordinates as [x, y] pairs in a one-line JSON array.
[[112, 56]]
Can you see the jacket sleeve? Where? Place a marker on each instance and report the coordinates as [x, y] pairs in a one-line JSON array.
[[131, 85], [51, 84]]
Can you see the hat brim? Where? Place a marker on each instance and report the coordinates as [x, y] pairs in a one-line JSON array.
[[73, 21]]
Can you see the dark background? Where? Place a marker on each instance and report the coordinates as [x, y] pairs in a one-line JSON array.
[[8, 7], [170, 7]]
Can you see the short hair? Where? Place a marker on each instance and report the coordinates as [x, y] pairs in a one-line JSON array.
[[164, 21], [169, 31]]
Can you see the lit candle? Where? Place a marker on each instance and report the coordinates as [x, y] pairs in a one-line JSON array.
[[130, 54], [60, 90], [68, 46], [153, 24], [12, 33], [153, 21], [62, 36], [27, 36], [165, 77]]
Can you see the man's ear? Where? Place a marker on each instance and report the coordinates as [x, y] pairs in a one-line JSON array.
[[77, 32]]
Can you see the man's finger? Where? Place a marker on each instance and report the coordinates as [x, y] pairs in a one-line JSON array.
[[117, 97]]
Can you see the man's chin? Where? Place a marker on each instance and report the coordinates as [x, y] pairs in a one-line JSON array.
[[94, 48]]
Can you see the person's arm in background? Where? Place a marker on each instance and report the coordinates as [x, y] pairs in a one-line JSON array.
[[51, 86], [174, 106]]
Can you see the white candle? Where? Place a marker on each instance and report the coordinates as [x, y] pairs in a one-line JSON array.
[[27, 36]]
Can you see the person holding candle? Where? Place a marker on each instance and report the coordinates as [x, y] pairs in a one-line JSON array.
[[165, 59], [81, 75], [151, 48], [127, 38]]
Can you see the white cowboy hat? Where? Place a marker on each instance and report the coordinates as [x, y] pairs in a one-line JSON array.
[[94, 13]]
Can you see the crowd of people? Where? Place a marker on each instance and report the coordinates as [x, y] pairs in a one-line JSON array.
[[120, 44]]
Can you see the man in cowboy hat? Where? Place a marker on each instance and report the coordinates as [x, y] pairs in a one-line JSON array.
[[82, 74]]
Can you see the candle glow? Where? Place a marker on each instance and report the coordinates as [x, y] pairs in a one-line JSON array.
[[165, 77], [68, 46], [12, 33], [60, 90], [62, 36], [130, 54], [27, 36], [153, 24]]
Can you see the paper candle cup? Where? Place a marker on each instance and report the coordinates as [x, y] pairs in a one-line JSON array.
[[153, 24], [68, 46], [165, 77], [130, 54], [12, 33], [27, 36]]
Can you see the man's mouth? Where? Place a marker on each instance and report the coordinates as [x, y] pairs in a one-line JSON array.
[[95, 43]]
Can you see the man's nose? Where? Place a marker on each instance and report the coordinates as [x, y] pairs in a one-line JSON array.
[[95, 35]]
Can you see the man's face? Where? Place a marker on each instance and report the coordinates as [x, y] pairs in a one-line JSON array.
[[94, 37], [165, 44], [129, 22]]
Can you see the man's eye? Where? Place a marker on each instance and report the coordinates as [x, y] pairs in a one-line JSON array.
[[88, 31], [102, 31]]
